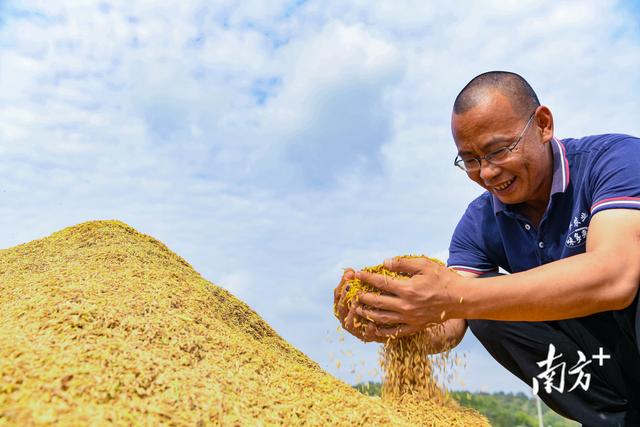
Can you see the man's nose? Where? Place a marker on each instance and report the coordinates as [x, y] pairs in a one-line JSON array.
[[488, 171]]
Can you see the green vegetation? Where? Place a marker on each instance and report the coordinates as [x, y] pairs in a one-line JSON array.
[[510, 409], [502, 409], [370, 389]]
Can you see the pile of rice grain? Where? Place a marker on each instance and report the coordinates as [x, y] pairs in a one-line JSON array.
[[410, 371], [102, 325]]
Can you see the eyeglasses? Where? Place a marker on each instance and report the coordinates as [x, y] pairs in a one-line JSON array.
[[496, 157]]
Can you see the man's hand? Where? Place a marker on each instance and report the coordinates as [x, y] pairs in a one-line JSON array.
[[350, 321], [410, 305]]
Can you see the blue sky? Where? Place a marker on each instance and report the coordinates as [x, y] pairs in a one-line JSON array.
[[273, 143]]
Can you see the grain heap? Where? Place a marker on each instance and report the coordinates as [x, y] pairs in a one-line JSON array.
[[410, 372], [102, 325]]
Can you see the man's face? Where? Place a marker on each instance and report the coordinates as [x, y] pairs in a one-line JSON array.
[[493, 124]]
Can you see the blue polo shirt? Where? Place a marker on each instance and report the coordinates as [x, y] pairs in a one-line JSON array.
[[590, 175]]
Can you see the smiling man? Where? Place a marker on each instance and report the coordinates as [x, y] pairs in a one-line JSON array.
[[563, 217]]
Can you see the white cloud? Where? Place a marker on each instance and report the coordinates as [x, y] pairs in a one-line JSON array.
[[332, 109]]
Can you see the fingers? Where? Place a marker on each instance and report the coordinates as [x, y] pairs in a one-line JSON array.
[[348, 274], [381, 281], [377, 309], [342, 306], [340, 291], [363, 330], [370, 333], [351, 321], [382, 302], [382, 317], [407, 265]]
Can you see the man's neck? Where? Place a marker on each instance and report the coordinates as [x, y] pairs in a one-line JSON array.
[[532, 213], [534, 209]]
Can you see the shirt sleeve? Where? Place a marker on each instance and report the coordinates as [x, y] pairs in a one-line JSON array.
[[615, 176], [467, 251]]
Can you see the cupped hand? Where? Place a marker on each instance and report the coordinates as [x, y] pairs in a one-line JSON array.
[[408, 306], [345, 312]]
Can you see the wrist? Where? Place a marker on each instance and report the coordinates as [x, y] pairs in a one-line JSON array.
[[460, 291]]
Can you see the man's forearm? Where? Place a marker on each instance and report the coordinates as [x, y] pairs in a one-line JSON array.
[[572, 287], [447, 337]]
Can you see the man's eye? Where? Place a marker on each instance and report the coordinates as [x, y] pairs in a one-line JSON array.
[[498, 154]]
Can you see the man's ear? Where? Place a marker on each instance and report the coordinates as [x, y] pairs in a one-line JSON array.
[[544, 119]]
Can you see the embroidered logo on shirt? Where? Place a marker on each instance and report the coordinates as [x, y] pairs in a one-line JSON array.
[[578, 230]]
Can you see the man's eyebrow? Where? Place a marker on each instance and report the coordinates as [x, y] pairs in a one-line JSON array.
[[487, 147]]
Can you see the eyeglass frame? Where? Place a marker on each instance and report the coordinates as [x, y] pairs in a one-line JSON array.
[[459, 162]]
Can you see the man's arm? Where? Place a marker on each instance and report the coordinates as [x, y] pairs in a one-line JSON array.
[[603, 278], [447, 337]]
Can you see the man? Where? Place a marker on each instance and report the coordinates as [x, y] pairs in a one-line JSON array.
[[563, 217]]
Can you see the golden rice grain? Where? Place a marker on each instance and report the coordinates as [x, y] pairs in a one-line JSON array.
[[101, 325]]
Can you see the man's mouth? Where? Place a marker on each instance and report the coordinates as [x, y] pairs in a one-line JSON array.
[[504, 185]]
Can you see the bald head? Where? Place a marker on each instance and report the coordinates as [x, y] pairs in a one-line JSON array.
[[522, 97]]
